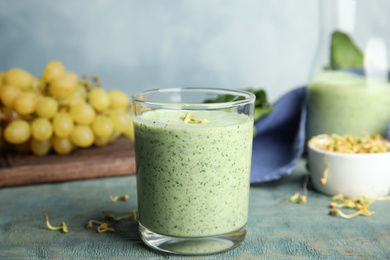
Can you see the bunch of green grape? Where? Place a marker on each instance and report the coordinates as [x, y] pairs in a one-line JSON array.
[[59, 111]]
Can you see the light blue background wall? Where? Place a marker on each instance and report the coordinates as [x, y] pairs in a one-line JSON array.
[[135, 45]]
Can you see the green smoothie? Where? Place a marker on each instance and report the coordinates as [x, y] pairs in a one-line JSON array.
[[342, 103], [193, 176]]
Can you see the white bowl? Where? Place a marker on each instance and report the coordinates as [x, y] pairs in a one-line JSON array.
[[350, 174]]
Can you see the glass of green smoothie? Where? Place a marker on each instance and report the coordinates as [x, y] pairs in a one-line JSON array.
[[193, 157]]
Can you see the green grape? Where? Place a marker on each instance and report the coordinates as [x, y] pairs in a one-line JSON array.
[[62, 124], [26, 103], [40, 148], [9, 94], [38, 85], [62, 146], [72, 100], [47, 107], [129, 130], [53, 70], [17, 132], [99, 99], [65, 119], [115, 135], [82, 113], [82, 136], [18, 78], [123, 123], [102, 126], [102, 141], [64, 85], [41, 129], [80, 92], [118, 99]]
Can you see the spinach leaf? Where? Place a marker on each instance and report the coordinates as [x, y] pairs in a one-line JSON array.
[[262, 107], [344, 52]]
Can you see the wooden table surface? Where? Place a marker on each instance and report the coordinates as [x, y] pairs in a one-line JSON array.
[[277, 228]]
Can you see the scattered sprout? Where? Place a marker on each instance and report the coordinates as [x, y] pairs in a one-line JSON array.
[[338, 197], [294, 198], [302, 199], [324, 178], [102, 226], [337, 212], [121, 197], [62, 227], [361, 204], [297, 197], [110, 216], [91, 222], [106, 226], [188, 118]]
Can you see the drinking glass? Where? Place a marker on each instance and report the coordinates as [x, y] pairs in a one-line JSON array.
[[193, 158]]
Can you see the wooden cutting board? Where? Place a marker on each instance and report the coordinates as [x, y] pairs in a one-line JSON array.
[[115, 159]]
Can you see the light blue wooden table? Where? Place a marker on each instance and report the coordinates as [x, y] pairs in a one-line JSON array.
[[276, 227]]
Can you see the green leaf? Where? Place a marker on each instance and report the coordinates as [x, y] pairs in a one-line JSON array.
[[262, 107], [344, 52]]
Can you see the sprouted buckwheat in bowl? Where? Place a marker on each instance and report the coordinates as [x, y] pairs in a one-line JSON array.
[[350, 165]]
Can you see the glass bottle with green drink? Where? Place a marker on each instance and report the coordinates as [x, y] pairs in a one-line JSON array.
[[349, 92]]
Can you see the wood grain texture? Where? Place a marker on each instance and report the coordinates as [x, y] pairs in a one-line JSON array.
[[115, 159], [277, 229]]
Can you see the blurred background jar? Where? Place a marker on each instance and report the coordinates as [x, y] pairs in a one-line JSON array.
[[349, 91]]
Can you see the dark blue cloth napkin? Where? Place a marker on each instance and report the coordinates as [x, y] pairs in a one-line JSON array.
[[280, 139]]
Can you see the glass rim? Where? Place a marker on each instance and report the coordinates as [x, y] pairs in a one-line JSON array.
[[248, 98]]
